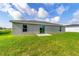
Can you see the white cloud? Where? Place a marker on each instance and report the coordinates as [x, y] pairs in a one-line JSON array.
[[49, 4], [75, 18], [15, 14], [60, 10], [76, 14], [24, 8], [47, 20], [34, 12], [6, 7], [42, 13], [55, 19]]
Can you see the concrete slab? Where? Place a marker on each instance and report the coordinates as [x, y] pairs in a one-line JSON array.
[[43, 34]]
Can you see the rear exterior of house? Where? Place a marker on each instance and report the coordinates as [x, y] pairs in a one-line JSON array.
[[35, 27], [72, 28]]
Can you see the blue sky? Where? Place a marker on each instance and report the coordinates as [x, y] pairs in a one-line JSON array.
[[63, 13]]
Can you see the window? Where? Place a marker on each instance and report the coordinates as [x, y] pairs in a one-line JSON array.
[[24, 28]]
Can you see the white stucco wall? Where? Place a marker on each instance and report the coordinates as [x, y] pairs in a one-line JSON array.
[[31, 29], [54, 29], [16, 28], [51, 29], [34, 29], [72, 29], [63, 29]]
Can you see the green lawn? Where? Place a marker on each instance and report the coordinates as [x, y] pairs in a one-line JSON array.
[[61, 44]]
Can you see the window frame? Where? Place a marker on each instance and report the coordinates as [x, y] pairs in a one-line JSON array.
[[24, 28], [60, 28]]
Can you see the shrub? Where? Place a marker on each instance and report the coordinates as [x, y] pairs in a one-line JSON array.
[[5, 31]]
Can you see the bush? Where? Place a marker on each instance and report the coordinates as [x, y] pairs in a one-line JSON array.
[[5, 31]]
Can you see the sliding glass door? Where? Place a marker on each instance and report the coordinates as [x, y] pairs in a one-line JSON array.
[[42, 29]]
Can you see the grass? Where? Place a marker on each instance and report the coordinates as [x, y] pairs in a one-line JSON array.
[[61, 44]]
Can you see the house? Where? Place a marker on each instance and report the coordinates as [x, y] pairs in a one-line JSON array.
[[72, 28], [35, 27]]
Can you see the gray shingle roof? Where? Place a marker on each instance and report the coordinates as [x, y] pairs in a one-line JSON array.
[[33, 22], [72, 25]]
